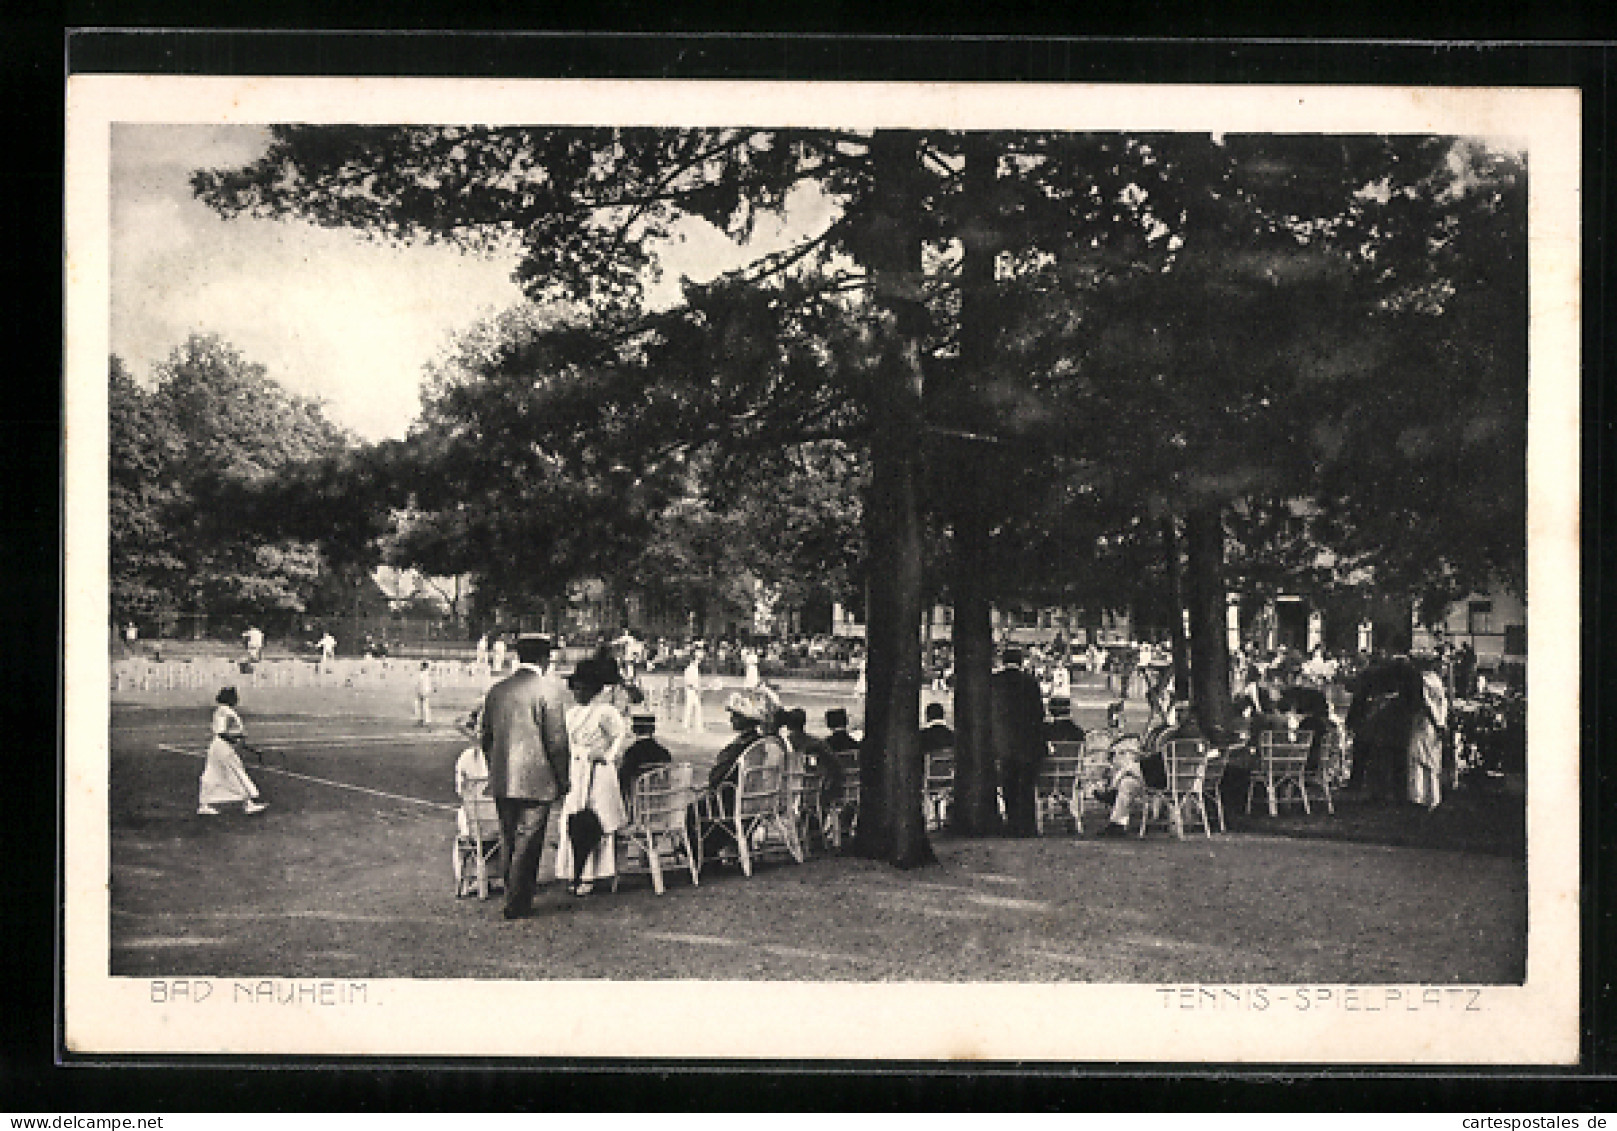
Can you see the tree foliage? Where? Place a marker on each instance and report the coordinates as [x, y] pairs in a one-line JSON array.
[[181, 456]]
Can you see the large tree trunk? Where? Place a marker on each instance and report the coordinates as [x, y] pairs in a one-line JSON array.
[[1176, 607], [891, 822], [1209, 647], [975, 811]]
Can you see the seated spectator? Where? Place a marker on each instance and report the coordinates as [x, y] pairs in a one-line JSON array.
[[746, 719], [1309, 709], [471, 769], [936, 734], [839, 741], [643, 753], [1135, 769], [1061, 728], [817, 757], [1252, 700], [844, 748]]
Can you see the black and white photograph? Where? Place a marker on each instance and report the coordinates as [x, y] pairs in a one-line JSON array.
[[828, 571]]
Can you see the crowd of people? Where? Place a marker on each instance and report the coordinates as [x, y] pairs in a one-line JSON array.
[[578, 743]]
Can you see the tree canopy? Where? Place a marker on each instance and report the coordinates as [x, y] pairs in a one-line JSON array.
[[1175, 325], [212, 422]]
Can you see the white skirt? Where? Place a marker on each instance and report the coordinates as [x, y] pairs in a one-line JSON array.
[[224, 778]]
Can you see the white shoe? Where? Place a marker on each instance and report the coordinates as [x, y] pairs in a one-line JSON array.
[[253, 807], [207, 811]]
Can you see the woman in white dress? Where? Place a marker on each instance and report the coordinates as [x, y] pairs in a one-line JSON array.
[[597, 735], [224, 778], [1425, 777]]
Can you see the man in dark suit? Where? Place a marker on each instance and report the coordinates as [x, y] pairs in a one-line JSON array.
[[1017, 727], [524, 737]]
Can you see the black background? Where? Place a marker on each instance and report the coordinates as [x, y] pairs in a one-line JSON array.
[[1441, 44]]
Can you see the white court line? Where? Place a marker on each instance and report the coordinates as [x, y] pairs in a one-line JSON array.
[[321, 781], [361, 739]]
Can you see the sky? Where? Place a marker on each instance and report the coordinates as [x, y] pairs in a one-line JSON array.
[[329, 313]]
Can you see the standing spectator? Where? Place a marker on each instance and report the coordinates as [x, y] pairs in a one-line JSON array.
[[254, 639], [1387, 698], [498, 652], [1017, 727], [131, 634], [693, 692], [328, 648], [749, 665], [224, 778], [596, 737], [482, 650], [1465, 670], [524, 735], [1426, 743], [423, 695]]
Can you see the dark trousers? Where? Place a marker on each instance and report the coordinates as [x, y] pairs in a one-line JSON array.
[[1018, 780], [522, 841]]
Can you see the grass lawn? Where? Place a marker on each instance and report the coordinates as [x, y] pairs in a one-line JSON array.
[[348, 875]]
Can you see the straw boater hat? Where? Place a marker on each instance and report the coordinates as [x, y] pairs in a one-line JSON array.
[[643, 724], [1060, 707], [745, 706]]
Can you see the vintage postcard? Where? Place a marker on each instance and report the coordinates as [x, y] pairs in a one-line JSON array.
[[693, 433]]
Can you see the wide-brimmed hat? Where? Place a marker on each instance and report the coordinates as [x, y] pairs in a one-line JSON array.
[[745, 706], [643, 724], [597, 670]]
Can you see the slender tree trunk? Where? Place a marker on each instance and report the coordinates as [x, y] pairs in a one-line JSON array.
[[1176, 607], [891, 822], [975, 812], [1209, 647]]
